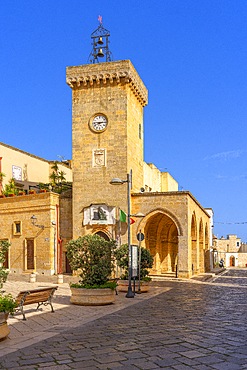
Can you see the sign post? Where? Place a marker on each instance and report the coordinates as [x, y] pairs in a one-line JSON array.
[[134, 263], [140, 238]]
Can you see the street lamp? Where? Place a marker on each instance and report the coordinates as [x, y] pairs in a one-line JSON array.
[[33, 219], [117, 181]]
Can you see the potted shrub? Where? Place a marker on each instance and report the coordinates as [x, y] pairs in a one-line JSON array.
[[10, 189], [91, 257], [7, 306], [21, 192], [7, 302], [122, 260]]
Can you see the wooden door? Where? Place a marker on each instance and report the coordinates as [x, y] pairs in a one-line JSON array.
[[30, 254]]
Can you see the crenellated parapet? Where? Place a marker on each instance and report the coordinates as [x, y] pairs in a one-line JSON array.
[[101, 74]]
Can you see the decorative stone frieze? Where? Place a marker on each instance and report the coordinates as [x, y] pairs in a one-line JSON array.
[[101, 74]]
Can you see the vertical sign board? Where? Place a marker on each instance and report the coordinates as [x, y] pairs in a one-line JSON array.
[[134, 260]]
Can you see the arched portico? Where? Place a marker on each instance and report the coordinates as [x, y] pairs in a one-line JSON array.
[[201, 247], [194, 252], [161, 231]]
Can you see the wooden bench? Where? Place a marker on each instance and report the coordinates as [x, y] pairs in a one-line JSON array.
[[39, 296]]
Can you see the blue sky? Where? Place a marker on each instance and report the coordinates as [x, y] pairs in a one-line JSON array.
[[191, 55]]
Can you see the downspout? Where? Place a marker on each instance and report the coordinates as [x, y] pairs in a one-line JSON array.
[[59, 243]]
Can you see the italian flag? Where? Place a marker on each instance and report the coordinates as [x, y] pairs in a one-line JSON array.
[[123, 217]]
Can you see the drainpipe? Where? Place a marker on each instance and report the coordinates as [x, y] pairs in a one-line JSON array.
[[59, 244]]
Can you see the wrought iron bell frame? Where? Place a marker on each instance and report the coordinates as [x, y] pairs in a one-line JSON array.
[[100, 43]]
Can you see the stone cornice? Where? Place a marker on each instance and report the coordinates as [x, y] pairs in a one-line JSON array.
[[171, 193], [100, 74]]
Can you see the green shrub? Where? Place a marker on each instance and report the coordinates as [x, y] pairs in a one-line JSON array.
[[122, 259], [7, 303], [4, 247], [92, 257]]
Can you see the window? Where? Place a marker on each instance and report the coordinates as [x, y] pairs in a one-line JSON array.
[[17, 229]]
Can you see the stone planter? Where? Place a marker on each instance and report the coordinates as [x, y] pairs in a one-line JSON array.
[[123, 286], [4, 329], [92, 297]]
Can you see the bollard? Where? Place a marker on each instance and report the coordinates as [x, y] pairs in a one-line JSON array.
[[32, 278], [60, 278]]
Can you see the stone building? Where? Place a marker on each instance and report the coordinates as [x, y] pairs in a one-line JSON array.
[[107, 142], [34, 220], [231, 250]]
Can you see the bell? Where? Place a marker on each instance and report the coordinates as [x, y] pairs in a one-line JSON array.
[[100, 53], [100, 41]]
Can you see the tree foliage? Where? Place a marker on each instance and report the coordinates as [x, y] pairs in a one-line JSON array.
[[4, 247], [122, 259], [10, 188], [92, 257]]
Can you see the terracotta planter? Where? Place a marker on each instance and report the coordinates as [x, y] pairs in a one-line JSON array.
[[43, 191], [11, 195], [32, 192], [92, 297], [4, 329], [123, 286]]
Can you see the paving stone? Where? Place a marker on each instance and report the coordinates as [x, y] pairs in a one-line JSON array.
[[184, 325]]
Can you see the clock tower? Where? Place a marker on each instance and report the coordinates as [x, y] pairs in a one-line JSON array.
[[107, 137]]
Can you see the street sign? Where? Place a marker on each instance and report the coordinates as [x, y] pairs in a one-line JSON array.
[[134, 260], [140, 237]]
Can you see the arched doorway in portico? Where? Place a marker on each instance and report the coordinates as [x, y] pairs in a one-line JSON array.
[[103, 235], [161, 238]]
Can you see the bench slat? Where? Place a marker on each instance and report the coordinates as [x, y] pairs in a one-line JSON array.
[[39, 296]]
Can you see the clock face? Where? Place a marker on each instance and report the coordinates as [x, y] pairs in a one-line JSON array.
[[99, 123]]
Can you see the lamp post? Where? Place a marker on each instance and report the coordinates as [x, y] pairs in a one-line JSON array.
[[33, 219], [117, 181]]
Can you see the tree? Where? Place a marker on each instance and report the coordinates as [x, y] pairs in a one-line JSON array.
[[4, 247], [92, 256]]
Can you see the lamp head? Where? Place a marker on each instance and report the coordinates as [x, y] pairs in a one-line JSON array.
[[116, 181], [33, 219]]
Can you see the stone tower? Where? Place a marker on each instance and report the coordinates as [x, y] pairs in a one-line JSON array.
[[107, 141]]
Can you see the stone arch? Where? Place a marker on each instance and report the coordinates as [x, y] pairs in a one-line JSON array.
[[207, 264], [161, 238], [102, 234], [165, 212], [201, 247], [193, 240], [232, 261]]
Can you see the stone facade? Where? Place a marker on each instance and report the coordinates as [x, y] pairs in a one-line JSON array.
[[32, 243], [231, 250], [176, 226], [27, 169]]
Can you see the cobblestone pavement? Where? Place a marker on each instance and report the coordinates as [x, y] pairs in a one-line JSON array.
[[180, 325]]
